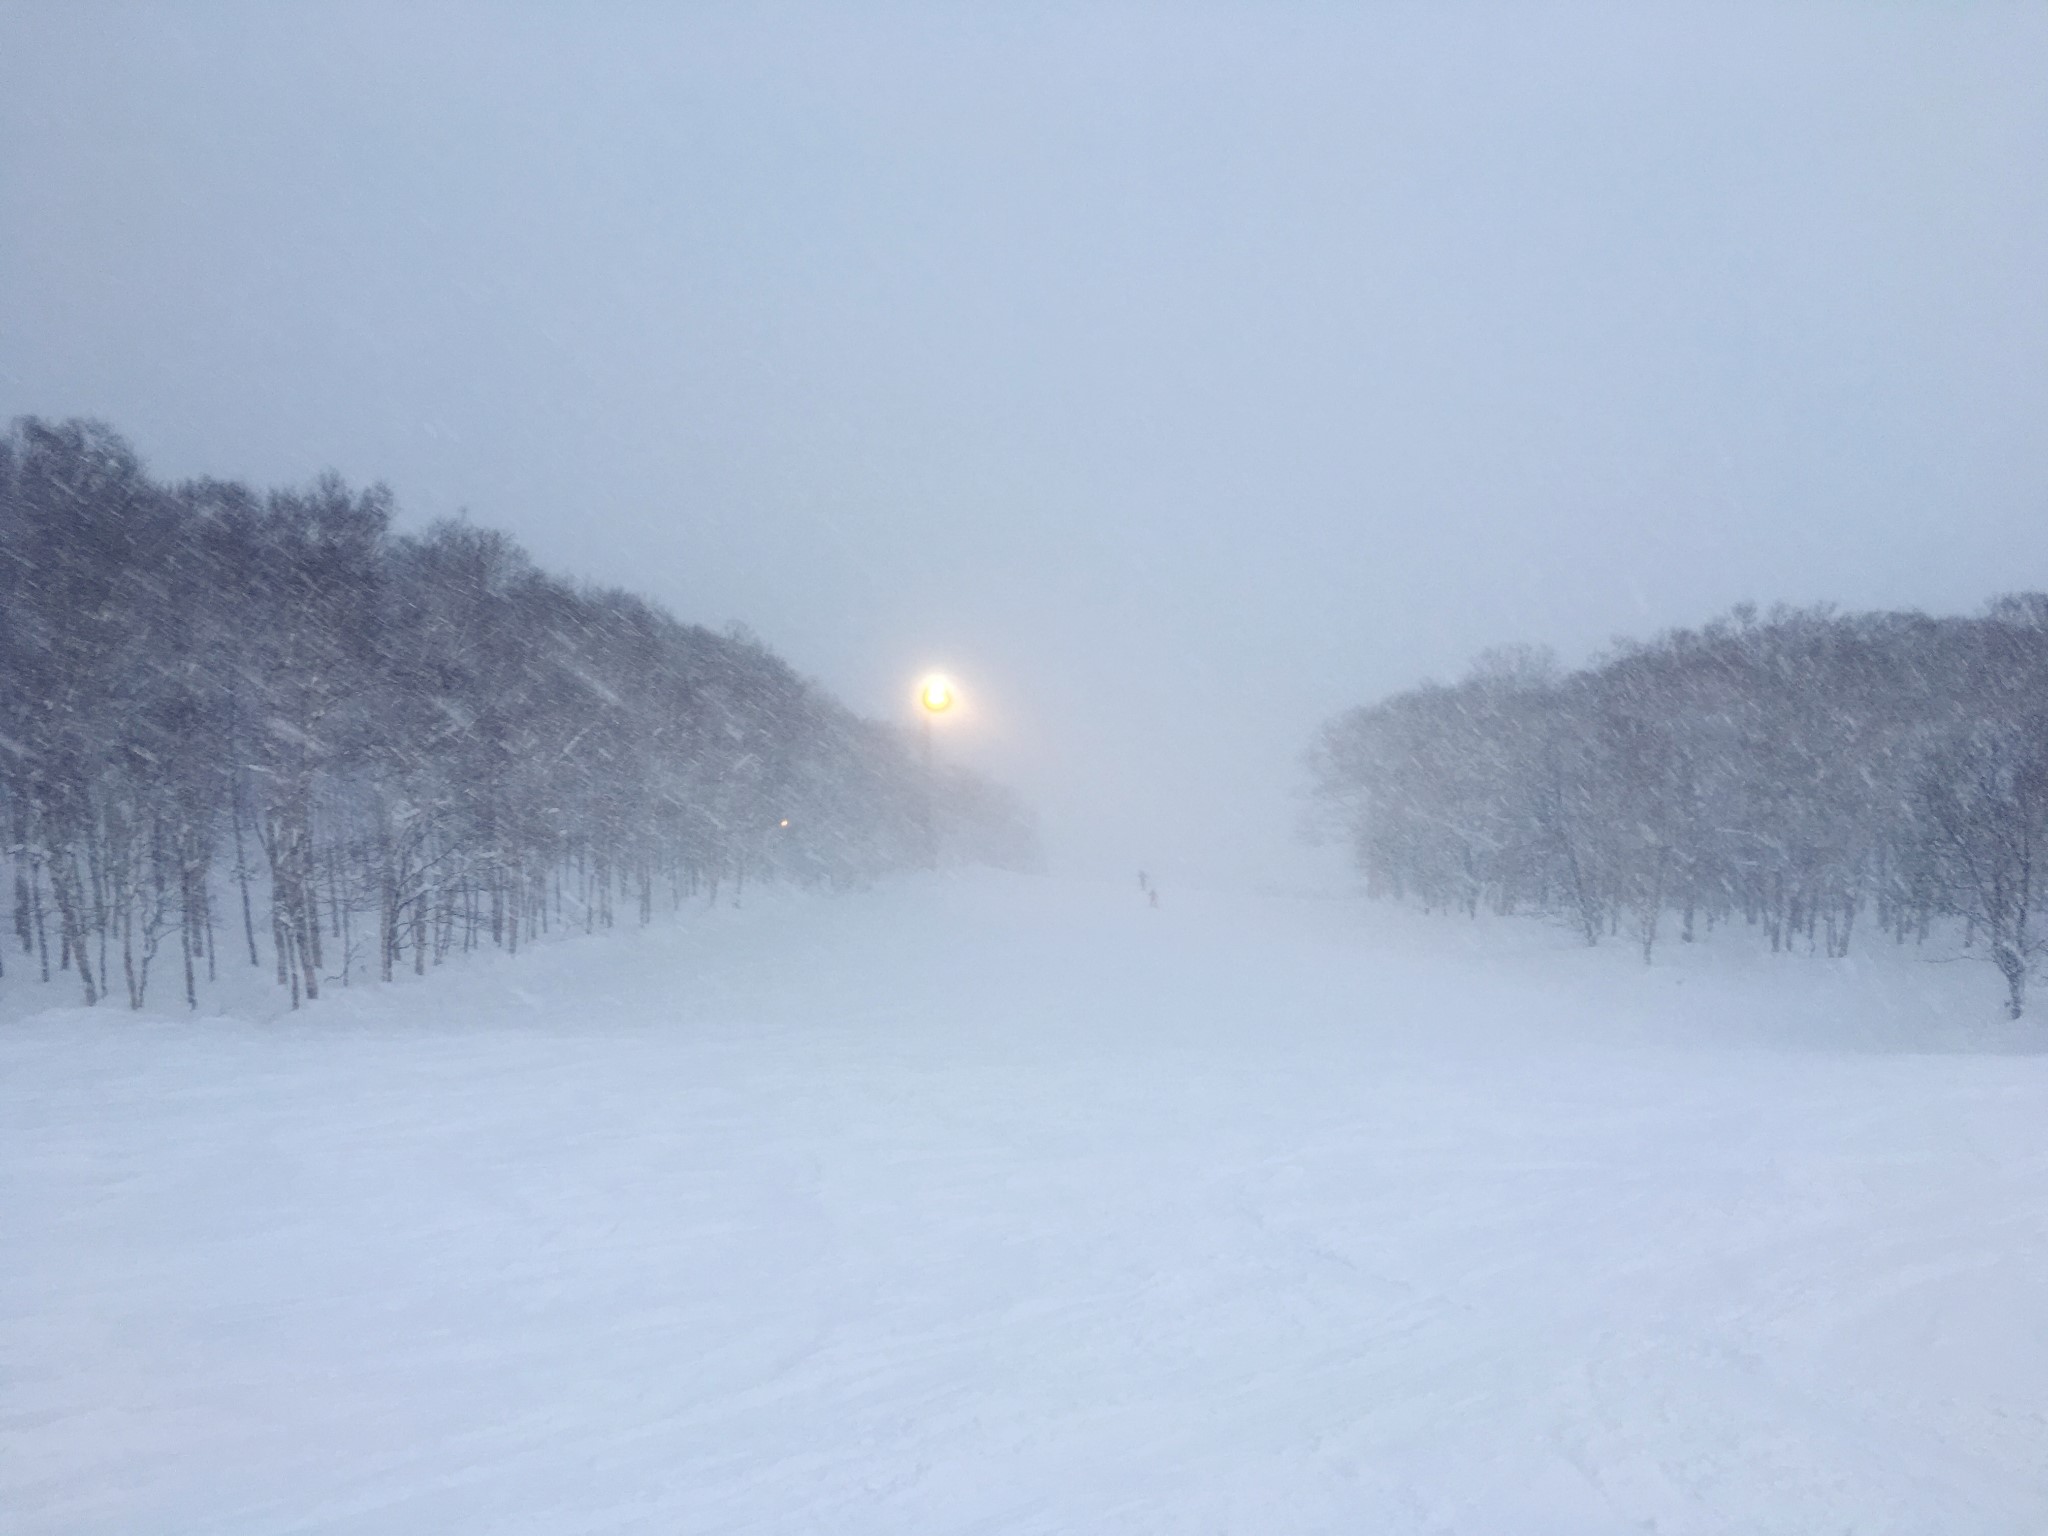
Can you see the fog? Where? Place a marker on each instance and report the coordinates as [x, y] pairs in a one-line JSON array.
[[1173, 379]]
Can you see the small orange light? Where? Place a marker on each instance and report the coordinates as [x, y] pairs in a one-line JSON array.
[[936, 695]]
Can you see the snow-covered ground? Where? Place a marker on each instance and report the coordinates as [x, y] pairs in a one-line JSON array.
[[1002, 1205]]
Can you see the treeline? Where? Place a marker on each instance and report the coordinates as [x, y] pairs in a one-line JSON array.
[[260, 728], [1806, 772]]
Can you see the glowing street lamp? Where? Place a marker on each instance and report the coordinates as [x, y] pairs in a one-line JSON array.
[[935, 694]]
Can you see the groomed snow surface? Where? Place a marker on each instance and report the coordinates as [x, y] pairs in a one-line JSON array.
[[1001, 1205]]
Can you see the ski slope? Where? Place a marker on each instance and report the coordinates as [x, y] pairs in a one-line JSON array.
[[1005, 1205]]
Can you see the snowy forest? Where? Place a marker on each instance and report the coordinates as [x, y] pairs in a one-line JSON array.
[[1806, 772], [259, 728]]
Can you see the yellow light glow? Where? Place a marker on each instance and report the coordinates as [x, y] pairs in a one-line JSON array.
[[936, 695], [785, 823]]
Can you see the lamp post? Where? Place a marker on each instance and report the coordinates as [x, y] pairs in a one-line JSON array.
[[935, 697]]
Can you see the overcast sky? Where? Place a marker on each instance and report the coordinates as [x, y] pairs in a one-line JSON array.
[[1175, 376]]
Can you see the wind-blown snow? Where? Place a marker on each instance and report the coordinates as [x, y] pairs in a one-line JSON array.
[[1013, 1206]]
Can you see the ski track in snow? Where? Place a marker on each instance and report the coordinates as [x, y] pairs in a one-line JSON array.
[[1002, 1205]]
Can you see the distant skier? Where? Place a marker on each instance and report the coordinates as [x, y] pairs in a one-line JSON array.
[[1144, 884], [1155, 898]]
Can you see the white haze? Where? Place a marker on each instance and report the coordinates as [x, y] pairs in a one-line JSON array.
[[1174, 376]]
